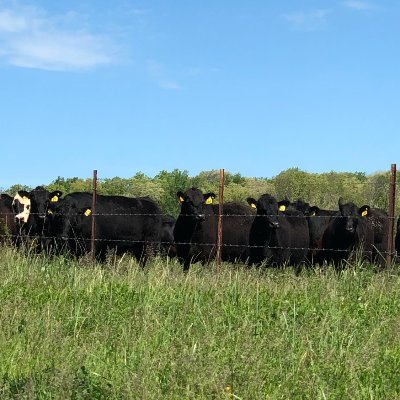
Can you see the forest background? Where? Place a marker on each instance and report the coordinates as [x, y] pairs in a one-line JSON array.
[[320, 189]]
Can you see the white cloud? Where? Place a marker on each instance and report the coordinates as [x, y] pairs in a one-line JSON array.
[[31, 39], [11, 23], [312, 20], [358, 5], [158, 73], [169, 85]]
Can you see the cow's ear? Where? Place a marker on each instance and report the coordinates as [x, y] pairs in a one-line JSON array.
[[55, 196], [180, 196], [313, 211], [252, 202], [283, 204], [364, 210], [209, 198], [5, 196], [23, 193]]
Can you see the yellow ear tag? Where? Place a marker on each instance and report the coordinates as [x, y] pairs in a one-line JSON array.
[[209, 200], [312, 214], [54, 199], [181, 199], [88, 212], [253, 205], [364, 213], [49, 212], [282, 208]]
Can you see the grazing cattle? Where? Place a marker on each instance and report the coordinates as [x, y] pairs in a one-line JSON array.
[[349, 230], [278, 235], [8, 226], [195, 231], [123, 224], [30, 209]]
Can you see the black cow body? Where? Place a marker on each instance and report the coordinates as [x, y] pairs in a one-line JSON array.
[[347, 231], [8, 225], [318, 220], [167, 236], [123, 224], [196, 234], [379, 220], [277, 237]]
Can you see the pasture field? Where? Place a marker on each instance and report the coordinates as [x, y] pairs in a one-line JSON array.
[[73, 330]]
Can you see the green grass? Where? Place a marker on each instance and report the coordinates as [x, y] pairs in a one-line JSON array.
[[71, 330]]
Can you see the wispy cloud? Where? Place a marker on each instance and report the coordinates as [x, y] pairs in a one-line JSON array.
[[158, 74], [169, 85], [310, 21], [358, 5], [32, 39]]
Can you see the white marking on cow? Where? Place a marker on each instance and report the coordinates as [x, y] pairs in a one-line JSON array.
[[26, 202]]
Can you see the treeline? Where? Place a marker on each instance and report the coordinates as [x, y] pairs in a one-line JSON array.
[[318, 189]]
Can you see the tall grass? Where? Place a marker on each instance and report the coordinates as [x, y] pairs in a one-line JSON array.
[[70, 329]]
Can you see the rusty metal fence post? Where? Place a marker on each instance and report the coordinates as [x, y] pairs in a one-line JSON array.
[[220, 213], [392, 199], [93, 214]]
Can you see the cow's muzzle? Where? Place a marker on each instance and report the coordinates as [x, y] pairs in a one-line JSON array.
[[200, 217]]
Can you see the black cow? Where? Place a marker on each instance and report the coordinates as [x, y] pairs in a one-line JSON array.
[[8, 226], [167, 236], [347, 231], [195, 231], [278, 235], [318, 219], [379, 219], [123, 224]]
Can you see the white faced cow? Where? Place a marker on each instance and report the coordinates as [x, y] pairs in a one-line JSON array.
[[30, 210]]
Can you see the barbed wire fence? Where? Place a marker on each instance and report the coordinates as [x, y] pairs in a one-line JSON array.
[[221, 217]]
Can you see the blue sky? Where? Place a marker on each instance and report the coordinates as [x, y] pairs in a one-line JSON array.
[[254, 87]]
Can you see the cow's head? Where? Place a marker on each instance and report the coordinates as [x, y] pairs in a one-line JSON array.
[[193, 201], [67, 217], [268, 208], [34, 203], [21, 206], [351, 214], [40, 200]]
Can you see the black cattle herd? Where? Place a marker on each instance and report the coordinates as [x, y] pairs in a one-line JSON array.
[[262, 232]]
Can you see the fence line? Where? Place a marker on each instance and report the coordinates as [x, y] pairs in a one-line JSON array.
[[285, 215], [88, 239]]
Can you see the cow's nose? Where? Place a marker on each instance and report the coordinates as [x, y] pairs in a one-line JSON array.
[[200, 217]]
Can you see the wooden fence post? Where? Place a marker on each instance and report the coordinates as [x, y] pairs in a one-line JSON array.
[[220, 213], [93, 214]]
